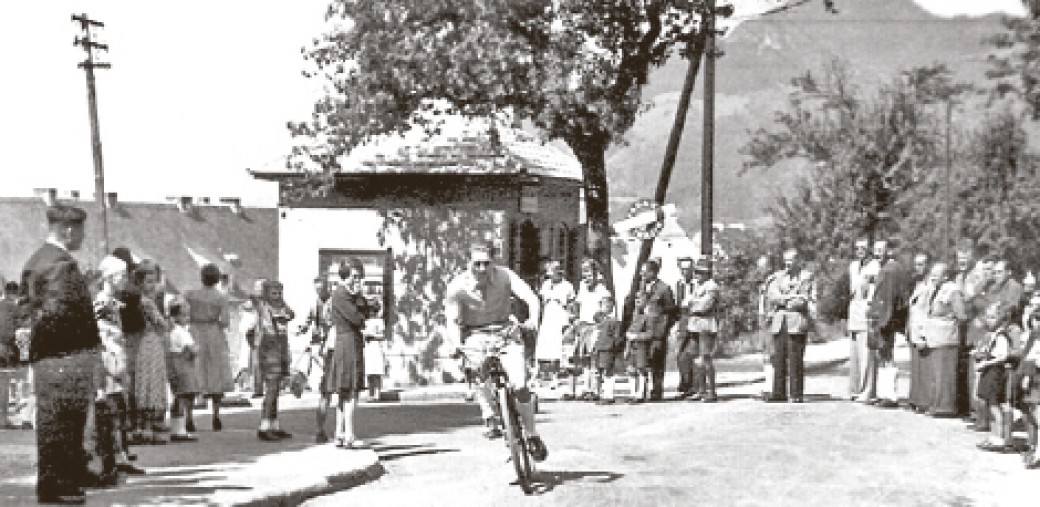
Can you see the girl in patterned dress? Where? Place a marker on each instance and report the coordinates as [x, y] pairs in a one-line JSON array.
[[150, 382]]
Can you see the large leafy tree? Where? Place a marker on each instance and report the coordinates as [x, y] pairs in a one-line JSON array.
[[574, 69], [862, 152]]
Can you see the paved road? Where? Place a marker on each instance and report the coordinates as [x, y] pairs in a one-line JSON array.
[[739, 452]]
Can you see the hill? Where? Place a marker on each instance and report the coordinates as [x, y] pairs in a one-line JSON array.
[[878, 39]]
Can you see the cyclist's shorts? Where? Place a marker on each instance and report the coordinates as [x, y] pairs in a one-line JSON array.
[[477, 348]]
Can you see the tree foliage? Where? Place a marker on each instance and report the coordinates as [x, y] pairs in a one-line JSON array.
[[572, 68], [877, 166], [434, 241]]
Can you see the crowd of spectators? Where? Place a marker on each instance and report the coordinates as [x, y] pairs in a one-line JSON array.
[[970, 325]]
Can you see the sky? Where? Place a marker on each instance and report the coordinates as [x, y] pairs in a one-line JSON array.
[[198, 92]]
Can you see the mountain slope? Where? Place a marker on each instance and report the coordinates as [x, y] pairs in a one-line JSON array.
[[878, 39]]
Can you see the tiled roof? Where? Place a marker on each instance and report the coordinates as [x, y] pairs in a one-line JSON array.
[[461, 147], [177, 241]]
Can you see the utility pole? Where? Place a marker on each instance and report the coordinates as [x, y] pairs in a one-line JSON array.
[[948, 230], [88, 65], [708, 146]]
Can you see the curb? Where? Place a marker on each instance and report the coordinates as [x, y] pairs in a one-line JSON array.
[[334, 484], [406, 396]]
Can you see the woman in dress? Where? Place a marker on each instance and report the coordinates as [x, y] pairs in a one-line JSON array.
[[345, 373], [557, 294], [150, 387], [941, 339], [209, 318]]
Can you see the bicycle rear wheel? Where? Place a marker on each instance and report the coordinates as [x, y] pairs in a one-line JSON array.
[[515, 440]]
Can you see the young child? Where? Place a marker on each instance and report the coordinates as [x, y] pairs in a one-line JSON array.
[[272, 334], [1027, 377], [637, 352], [991, 359], [184, 380], [110, 408], [375, 358], [606, 348]]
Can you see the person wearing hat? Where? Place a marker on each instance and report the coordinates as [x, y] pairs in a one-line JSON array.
[[702, 327], [64, 355]]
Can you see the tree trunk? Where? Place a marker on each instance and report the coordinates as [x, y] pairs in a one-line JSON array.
[[591, 154]]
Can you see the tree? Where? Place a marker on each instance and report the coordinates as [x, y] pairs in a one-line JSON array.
[[572, 68], [863, 152]]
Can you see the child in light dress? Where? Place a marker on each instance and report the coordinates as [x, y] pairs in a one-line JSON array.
[[184, 381]]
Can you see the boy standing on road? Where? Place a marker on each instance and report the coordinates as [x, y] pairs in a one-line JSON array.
[[606, 349]]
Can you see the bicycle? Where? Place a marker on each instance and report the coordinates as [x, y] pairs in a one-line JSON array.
[[495, 376]]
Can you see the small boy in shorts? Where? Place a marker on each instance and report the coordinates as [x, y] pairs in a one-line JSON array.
[[606, 349], [637, 353]]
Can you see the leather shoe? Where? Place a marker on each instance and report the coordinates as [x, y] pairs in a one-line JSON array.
[[281, 434], [66, 499], [183, 438], [537, 448], [775, 399], [190, 426], [710, 398], [267, 436]]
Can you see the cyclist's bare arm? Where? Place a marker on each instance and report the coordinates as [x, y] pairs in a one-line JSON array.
[[523, 291]]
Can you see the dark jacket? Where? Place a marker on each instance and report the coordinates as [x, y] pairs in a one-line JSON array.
[[657, 312], [891, 304], [347, 313], [59, 304]]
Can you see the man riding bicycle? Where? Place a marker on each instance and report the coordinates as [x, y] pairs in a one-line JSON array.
[[478, 310]]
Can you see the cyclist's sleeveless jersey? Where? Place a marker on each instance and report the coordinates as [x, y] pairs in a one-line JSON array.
[[477, 310]]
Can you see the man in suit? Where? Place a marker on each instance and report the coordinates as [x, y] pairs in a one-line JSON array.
[[655, 304], [685, 355], [862, 277], [887, 316], [792, 295], [64, 354]]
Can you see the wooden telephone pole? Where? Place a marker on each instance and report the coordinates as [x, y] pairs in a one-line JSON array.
[[88, 65], [708, 146]]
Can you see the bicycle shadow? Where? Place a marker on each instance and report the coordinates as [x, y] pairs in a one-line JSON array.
[[545, 481]]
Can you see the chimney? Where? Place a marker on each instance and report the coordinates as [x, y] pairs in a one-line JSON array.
[[183, 203], [74, 195], [49, 195], [203, 201], [234, 204], [111, 200]]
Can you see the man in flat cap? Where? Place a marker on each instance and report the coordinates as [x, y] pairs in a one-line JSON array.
[[64, 354]]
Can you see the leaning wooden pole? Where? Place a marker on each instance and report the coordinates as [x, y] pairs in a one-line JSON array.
[[696, 49]]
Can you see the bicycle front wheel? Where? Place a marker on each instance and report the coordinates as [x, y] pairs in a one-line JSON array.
[[514, 435]]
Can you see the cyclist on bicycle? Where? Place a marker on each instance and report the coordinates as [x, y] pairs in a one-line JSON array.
[[479, 299]]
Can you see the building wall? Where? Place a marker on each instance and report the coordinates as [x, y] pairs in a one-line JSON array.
[[349, 220]]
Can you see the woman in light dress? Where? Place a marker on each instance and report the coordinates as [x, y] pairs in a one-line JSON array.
[[556, 294], [209, 318], [375, 356]]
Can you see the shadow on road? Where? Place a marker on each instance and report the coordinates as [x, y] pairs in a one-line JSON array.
[[391, 452], [547, 480]]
